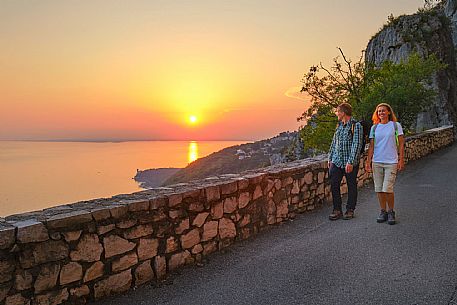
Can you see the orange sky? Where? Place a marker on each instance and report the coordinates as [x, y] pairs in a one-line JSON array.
[[94, 70]]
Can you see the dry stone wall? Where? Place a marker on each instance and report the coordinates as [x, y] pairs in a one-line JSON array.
[[89, 250]]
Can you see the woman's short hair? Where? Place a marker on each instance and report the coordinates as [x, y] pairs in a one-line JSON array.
[[345, 108]]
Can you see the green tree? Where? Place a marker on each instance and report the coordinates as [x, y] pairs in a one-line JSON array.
[[405, 86]]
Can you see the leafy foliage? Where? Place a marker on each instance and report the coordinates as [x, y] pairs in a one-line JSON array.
[[405, 86]]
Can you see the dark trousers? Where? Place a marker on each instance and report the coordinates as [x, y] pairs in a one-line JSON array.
[[336, 175]]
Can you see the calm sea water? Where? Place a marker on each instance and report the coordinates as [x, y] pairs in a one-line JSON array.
[[37, 175]]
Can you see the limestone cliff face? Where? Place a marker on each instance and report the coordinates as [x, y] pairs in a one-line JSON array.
[[426, 33]]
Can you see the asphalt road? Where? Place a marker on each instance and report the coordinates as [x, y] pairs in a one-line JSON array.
[[315, 261]]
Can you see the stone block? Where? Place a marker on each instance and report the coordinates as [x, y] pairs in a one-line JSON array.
[[89, 249], [255, 179], [29, 231], [209, 248], [160, 267], [320, 177], [210, 230], [48, 251], [175, 214], [230, 204], [114, 284], [115, 245], [257, 193], [94, 272], [138, 206], [197, 249], [279, 196], [196, 206], [308, 177], [212, 193], [147, 248], [70, 273], [105, 229], [229, 188], [194, 194], [226, 228], [80, 291], [179, 259], [174, 200], [183, 225], [124, 262], [190, 239], [72, 236], [143, 273], [66, 220], [157, 203], [7, 236], [244, 199], [23, 280], [118, 211], [172, 245], [243, 183], [200, 219], [138, 231], [100, 214], [287, 181], [127, 223], [47, 278], [217, 210]]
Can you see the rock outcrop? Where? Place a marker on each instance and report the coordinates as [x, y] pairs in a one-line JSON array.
[[427, 32]]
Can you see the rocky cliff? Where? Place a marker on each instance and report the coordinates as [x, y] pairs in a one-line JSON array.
[[429, 31]]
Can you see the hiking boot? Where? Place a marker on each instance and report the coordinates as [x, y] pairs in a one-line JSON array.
[[336, 214], [391, 217], [349, 214], [382, 216]]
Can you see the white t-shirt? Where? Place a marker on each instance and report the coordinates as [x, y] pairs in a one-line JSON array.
[[385, 144]]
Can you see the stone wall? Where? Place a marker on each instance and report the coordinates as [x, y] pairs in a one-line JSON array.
[[89, 250]]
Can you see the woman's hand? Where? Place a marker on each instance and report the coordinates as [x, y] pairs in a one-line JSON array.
[[401, 164]]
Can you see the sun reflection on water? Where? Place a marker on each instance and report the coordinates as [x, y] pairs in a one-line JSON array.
[[193, 151]]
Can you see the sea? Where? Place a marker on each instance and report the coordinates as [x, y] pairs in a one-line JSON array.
[[39, 175]]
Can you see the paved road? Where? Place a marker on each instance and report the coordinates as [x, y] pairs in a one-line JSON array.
[[314, 261]]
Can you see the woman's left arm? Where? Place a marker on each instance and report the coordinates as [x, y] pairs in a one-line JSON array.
[[401, 152]]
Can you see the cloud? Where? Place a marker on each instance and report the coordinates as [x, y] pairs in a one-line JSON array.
[[294, 92]]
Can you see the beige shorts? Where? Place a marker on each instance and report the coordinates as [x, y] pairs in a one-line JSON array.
[[384, 175]]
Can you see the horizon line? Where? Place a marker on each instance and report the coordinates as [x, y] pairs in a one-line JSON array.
[[123, 140]]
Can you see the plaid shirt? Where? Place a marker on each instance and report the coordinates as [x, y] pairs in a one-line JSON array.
[[345, 146]]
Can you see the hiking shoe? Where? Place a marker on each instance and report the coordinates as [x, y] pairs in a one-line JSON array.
[[382, 216], [349, 214], [391, 217], [336, 214]]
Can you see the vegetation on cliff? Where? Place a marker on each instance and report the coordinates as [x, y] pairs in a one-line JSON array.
[[404, 85]]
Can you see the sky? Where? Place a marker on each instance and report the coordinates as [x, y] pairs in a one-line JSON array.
[[170, 69]]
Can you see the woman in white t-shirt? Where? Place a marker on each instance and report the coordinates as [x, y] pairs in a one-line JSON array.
[[386, 151]]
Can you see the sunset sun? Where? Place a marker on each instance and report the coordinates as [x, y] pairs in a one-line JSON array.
[[193, 119]]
